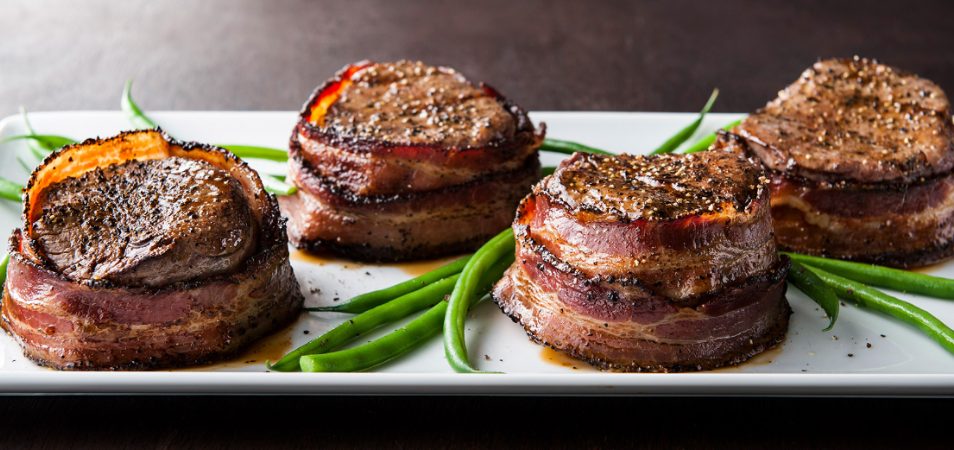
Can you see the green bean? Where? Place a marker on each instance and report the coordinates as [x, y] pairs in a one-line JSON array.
[[256, 152], [34, 145], [687, 132], [39, 155], [704, 143], [466, 292], [569, 147], [135, 115], [10, 190], [46, 140], [40, 146], [368, 300], [438, 288], [140, 120], [351, 329], [277, 187], [815, 289], [422, 298], [381, 350], [547, 171], [30, 160], [879, 301], [886, 277], [27, 166], [3, 271]]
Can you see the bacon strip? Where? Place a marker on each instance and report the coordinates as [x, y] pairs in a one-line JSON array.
[[693, 292]]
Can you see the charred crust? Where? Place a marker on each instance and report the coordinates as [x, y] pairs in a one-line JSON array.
[[524, 130], [856, 94], [273, 213], [185, 145], [522, 139], [272, 227], [653, 188]]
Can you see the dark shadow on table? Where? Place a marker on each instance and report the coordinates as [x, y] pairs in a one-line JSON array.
[[473, 422]]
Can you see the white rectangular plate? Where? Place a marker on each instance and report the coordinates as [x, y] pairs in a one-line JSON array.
[[899, 361]]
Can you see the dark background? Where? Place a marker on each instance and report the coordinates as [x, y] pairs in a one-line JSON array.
[[559, 55], [570, 55]]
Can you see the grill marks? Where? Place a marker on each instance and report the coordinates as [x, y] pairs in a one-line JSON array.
[[643, 263], [149, 223], [861, 156]]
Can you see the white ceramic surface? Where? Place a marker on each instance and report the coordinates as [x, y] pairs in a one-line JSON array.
[[900, 360]]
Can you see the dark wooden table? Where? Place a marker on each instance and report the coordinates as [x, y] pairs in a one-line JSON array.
[[571, 55]]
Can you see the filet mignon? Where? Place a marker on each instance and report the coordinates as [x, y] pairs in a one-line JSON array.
[[141, 252], [861, 157], [386, 138], [649, 263], [150, 223]]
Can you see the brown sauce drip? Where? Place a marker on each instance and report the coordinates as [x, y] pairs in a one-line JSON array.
[[558, 358], [269, 348], [321, 260]]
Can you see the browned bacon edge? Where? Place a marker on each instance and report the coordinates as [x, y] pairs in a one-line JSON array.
[[411, 225], [880, 217], [755, 310], [67, 325], [98, 325], [375, 167]]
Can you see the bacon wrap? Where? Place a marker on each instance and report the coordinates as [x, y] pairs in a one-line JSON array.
[[900, 224], [353, 188], [99, 325], [691, 293], [388, 228], [861, 156], [906, 226], [374, 167]]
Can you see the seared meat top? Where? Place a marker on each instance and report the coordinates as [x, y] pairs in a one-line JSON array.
[[661, 187], [411, 103], [855, 119], [150, 223]]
